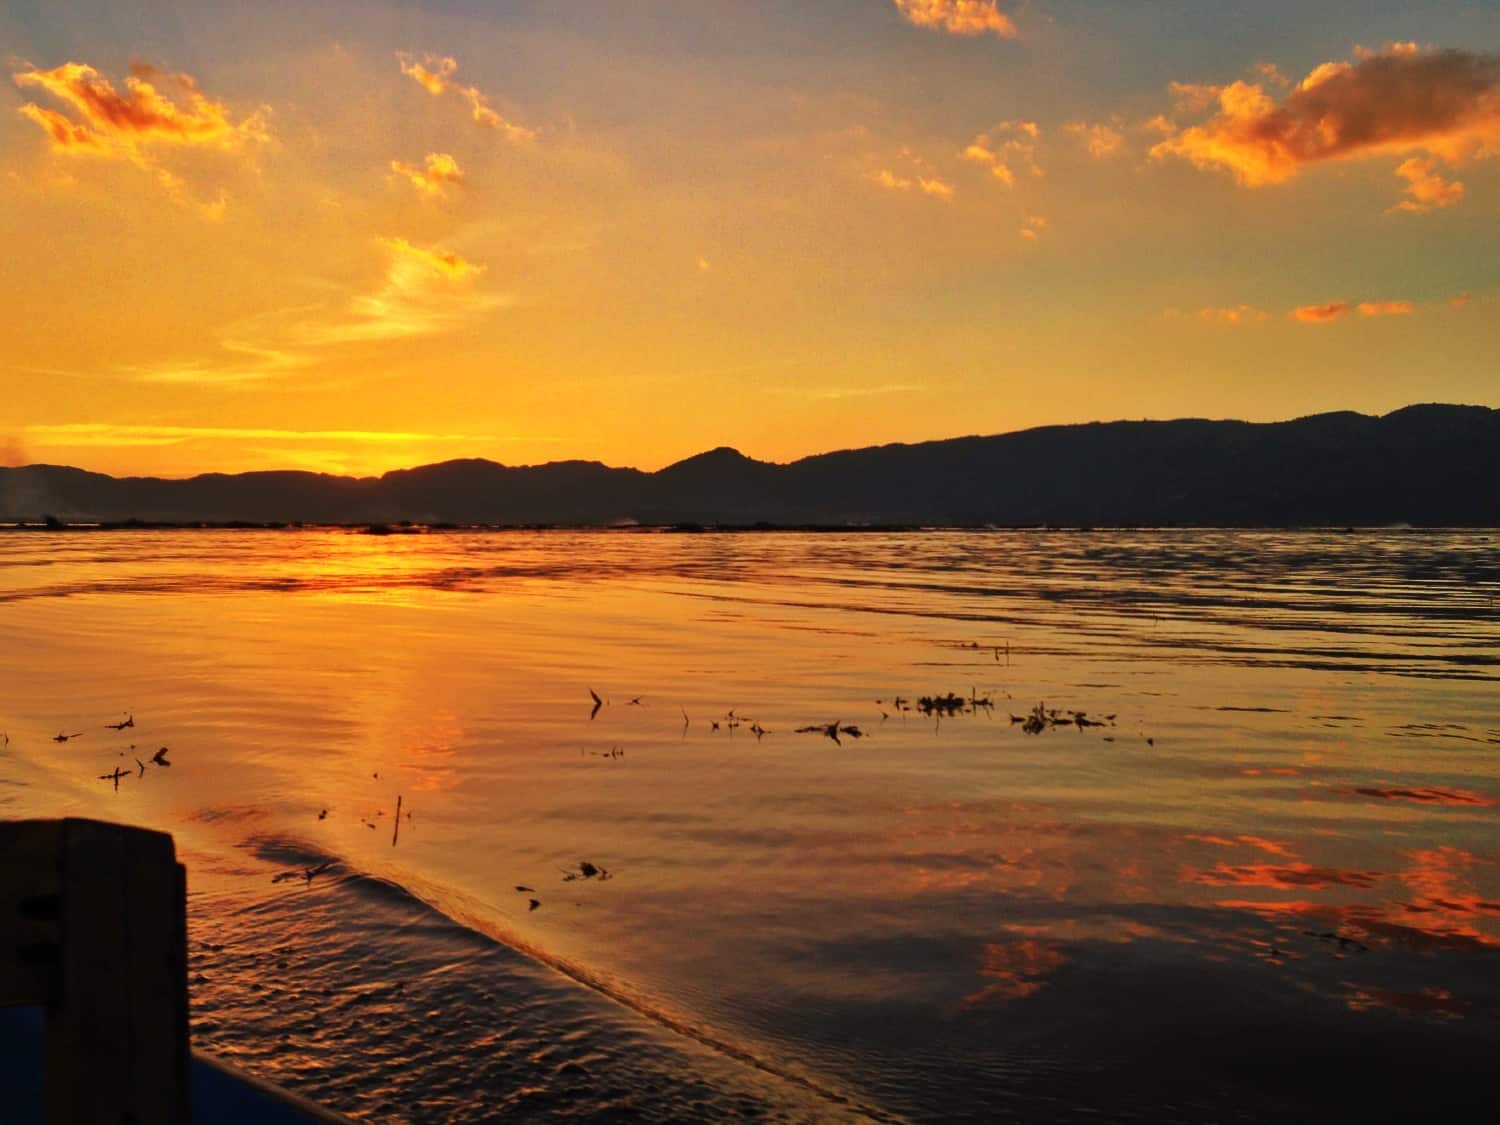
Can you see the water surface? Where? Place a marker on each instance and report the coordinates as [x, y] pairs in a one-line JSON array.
[[1265, 885]]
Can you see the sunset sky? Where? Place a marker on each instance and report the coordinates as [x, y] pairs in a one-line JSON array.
[[353, 237]]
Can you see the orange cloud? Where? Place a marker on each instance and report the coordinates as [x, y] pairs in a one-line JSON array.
[[958, 17], [432, 179], [1400, 100], [1101, 140], [889, 180], [434, 73], [1234, 316], [1282, 875], [425, 290], [1017, 969], [110, 123], [1428, 190], [1008, 143], [1384, 308], [935, 186], [1321, 314]]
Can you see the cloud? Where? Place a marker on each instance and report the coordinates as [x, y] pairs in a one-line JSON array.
[[137, 124], [108, 434], [425, 290], [1384, 308], [1099, 139], [958, 17], [1428, 190], [1233, 316], [890, 181], [922, 177], [113, 124], [1400, 100], [1321, 314], [1032, 228], [1008, 143], [434, 73], [433, 179], [935, 186]]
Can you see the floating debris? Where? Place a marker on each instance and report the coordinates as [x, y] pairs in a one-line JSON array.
[[160, 757], [598, 703], [323, 815], [60, 737], [115, 777], [124, 725], [534, 905], [525, 890], [586, 870]]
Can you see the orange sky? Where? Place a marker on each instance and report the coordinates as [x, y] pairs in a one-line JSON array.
[[359, 237]]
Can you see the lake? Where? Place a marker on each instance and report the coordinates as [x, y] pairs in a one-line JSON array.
[[1033, 826]]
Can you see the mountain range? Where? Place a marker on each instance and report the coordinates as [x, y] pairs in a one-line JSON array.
[[1427, 465]]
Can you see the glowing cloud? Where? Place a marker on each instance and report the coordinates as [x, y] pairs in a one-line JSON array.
[[425, 291], [1233, 317], [1032, 228], [1398, 100], [1010, 142], [1099, 139], [1384, 308], [433, 179], [1427, 189], [434, 73], [935, 186], [115, 124], [958, 17], [1321, 314]]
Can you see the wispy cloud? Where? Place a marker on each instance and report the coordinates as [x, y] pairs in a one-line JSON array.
[[1321, 314], [1008, 145], [1400, 99], [1384, 308], [1032, 227], [434, 177], [958, 17], [434, 73], [1233, 316], [140, 123], [921, 177], [425, 290], [109, 434], [1101, 140]]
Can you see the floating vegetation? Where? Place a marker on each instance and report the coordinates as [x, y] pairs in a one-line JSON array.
[[832, 730], [1044, 718]]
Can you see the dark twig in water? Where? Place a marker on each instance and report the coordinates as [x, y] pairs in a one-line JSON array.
[[115, 777], [160, 757], [142, 765], [129, 722], [534, 905], [586, 870], [60, 737], [598, 703], [396, 830], [525, 890]]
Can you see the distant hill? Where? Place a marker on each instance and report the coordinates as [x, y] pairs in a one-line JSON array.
[[1424, 465]]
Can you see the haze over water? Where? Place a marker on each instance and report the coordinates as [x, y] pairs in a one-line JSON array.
[[1266, 885]]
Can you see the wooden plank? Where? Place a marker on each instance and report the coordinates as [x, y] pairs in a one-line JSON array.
[[156, 947], [116, 1036], [88, 1048], [30, 911]]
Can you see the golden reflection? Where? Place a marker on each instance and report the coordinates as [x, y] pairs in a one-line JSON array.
[[1016, 969]]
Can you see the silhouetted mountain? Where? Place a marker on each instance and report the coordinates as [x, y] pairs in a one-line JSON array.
[[1425, 465]]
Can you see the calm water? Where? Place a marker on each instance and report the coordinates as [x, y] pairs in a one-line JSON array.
[[1266, 888]]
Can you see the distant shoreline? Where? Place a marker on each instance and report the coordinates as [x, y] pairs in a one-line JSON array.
[[378, 529]]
